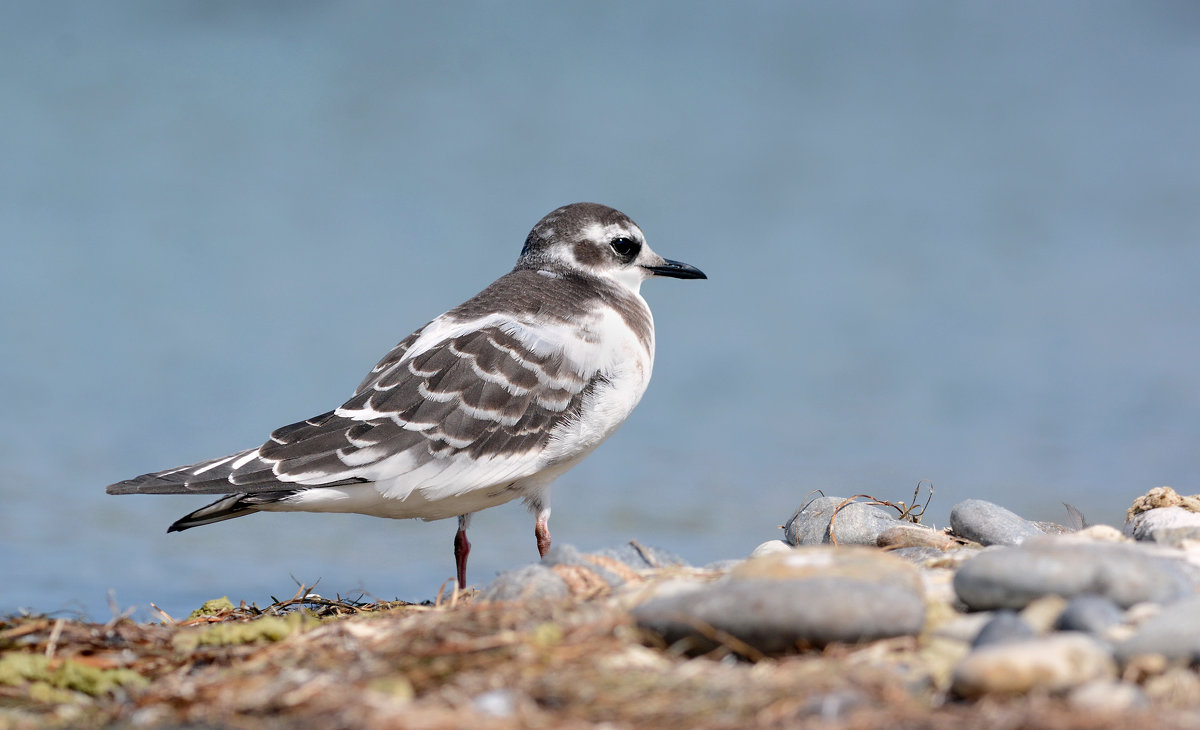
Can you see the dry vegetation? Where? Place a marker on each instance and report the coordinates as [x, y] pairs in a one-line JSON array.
[[312, 662]]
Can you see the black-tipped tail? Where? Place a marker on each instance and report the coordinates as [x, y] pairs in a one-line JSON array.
[[225, 508]]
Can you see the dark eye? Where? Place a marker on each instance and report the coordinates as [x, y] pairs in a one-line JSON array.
[[625, 248]]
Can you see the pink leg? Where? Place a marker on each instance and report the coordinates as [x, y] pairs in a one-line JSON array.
[[462, 548], [541, 530]]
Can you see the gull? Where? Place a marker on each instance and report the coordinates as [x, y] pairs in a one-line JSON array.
[[491, 401]]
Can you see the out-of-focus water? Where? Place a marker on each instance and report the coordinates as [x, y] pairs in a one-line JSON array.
[[947, 242]]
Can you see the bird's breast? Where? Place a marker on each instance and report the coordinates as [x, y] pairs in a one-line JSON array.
[[624, 361]]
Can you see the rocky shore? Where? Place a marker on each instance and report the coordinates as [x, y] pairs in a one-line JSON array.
[[858, 617]]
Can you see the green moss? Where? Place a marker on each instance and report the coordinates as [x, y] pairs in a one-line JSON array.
[[547, 634], [18, 668], [264, 628], [396, 685], [212, 608]]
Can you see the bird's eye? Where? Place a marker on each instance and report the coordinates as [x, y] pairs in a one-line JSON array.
[[625, 248]]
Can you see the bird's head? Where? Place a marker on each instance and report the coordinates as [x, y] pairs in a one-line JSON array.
[[595, 240]]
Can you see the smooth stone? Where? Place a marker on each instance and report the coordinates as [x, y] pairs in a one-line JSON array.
[[1174, 633], [1177, 687], [938, 584], [909, 535], [1107, 696], [771, 546], [1004, 627], [642, 557], [1102, 533], [961, 627], [571, 556], [1124, 573], [528, 583], [857, 523], [1089, 614], [811, 597], [1165, 526], [1052, 663], [818, 562], [917, 555], [1041, 613], [990, 524]]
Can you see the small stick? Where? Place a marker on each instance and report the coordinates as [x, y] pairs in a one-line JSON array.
[[164, 614], [721, 638], [52, 643], [644, 554]]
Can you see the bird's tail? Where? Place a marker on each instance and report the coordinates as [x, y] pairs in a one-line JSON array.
[[212, 476], [225, 508]]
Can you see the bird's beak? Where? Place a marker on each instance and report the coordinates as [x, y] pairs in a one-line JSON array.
[[676, 270]]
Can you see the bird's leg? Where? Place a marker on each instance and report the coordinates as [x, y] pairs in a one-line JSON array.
[[462, 548], [541, 530]]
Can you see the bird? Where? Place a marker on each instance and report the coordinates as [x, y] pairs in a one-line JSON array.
[[489, 402]]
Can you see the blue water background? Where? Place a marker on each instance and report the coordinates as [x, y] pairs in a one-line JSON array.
[[947, 241]]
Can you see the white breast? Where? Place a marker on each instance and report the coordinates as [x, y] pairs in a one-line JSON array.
[[625, 365]]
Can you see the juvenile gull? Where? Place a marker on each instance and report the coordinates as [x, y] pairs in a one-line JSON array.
[[491, 401]]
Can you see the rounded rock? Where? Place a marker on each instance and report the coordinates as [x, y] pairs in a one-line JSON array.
[[770, 547], [917, 555], [1107, 696], [1165, 525], [990, 524], [1089, 614], [811, 597], [1054, 663], [642, 557], [611, 571], [1005, 627], [821, 522], [529, 583], [1124, 573], [1174, 633], [910, 535]]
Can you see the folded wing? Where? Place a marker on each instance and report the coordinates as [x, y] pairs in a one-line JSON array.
[[476, 407]]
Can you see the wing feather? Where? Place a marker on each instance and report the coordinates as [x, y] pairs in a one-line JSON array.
[[475, 408]]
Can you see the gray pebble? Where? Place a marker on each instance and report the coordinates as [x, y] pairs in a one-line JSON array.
[[1123, 573], [530, 583], [990, 524], [570, 555], [1090, 614], [908, 534], [1004, 627], [642, 557], [916, 555], [771, 546], [1165, 525], [856, 523], [1053, 663], [784, 602], [1104, 696], [1173, 633]]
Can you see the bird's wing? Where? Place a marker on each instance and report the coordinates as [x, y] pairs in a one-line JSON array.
[[458, 404]]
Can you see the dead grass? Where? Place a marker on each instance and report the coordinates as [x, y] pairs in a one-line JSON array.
[[312, 662]]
